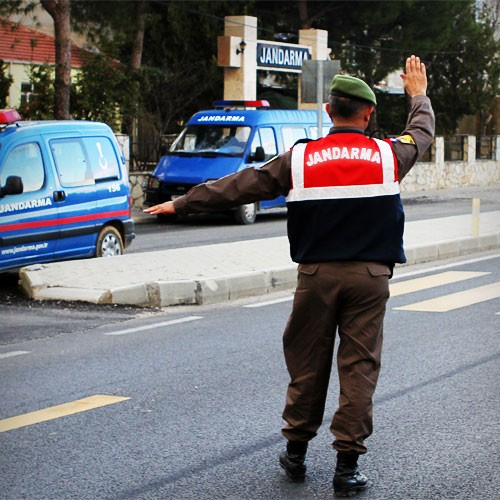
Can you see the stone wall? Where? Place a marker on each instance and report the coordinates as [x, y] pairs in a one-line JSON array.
[[136, 180], [435, 174], [441, 174]]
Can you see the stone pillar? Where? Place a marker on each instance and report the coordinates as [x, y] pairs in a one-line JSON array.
[[317, 40], [439, 157], [470, 149], [240, 83]]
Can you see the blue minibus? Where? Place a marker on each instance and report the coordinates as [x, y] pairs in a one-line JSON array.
[[225, 140]]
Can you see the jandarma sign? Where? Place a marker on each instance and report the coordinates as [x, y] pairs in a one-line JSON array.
[[285, 57]]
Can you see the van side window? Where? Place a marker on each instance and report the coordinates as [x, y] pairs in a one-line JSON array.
[[102, 158], [71, 162], [291, 135], [25, 161], [314, 131], [264, 137]]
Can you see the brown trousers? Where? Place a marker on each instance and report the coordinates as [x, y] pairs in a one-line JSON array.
[[350, 297]]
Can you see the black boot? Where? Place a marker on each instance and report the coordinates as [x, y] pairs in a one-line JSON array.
[[347, 480], [292, 460]]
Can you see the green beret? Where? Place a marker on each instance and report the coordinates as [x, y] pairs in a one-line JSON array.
[[350, 86]]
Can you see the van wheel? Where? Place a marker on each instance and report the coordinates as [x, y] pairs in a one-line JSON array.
[[109, 242], [246, 214]]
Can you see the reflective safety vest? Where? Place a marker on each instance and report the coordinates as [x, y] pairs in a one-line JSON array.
[[344, 203]]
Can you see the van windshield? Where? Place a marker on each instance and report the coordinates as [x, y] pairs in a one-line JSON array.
[[211, 140]]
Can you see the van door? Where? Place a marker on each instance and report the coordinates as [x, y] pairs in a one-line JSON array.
[[75, 198], [265, 137], [111, 188], [28, 221]]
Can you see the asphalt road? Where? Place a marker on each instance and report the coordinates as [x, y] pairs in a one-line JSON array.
[[206, 396]]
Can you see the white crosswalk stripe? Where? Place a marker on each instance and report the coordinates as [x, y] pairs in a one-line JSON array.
[[456, 300], [447, 302], [432, 281]]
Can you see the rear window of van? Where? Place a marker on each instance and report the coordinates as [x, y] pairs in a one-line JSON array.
[[102, 158], [84, 161]]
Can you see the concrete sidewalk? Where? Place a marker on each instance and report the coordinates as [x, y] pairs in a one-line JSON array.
[[216, 273]]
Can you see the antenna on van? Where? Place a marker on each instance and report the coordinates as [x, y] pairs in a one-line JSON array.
[[241, 104]]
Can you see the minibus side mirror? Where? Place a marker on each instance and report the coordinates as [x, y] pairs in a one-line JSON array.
[[13, 185], [259, 155]]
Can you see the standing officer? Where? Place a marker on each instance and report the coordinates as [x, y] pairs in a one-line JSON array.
[[345, 227]]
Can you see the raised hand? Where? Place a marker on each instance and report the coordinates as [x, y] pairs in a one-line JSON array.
[[415, 77]]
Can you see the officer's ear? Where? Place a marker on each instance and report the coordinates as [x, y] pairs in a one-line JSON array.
[[328, 109], [368, 112]]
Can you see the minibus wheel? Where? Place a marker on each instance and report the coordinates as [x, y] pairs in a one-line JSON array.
[[109, 242], [246, 214]]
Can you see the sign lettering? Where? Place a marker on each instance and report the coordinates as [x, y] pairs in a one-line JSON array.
[[281, 56]]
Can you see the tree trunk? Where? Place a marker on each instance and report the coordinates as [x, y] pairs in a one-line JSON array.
[[140, 16], [305, 22], [59, 10], [130, 119]]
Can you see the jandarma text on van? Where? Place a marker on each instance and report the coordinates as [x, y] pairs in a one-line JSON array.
[[24, 248], [222, 118], [25, 205]]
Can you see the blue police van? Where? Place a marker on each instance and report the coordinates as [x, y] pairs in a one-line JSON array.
[[64, 192], [225, 140]]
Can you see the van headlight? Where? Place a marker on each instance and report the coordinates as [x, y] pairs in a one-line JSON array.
[[151, 182]]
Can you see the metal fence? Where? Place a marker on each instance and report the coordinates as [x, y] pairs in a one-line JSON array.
[[455, 148], [146, 152], [486, 147]]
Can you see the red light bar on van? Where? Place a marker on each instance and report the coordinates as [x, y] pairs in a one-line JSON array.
[[9, 116], [242, 104]]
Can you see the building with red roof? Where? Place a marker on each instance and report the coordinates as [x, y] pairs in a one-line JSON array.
[[20, 48]]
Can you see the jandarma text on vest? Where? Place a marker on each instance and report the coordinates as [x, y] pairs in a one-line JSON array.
[[341, 153]]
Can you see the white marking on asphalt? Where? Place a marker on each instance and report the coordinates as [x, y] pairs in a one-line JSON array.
[[434, 280], [444, 266], [457, 300], [155, 325], [270, 302], [11, 354]]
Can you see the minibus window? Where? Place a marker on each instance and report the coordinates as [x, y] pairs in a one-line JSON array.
[[291, 135], [72, 165], [218, 139], [25, 161], [314, 132], [264, 137]]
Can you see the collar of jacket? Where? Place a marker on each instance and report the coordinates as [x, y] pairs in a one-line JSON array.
[[351, 130]]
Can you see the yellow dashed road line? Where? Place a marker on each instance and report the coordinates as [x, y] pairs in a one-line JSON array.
[[59, 411]]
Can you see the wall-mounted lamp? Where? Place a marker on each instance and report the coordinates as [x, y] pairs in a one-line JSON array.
[[242, 47]]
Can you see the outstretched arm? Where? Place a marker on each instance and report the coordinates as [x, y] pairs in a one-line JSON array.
[[247, 186]]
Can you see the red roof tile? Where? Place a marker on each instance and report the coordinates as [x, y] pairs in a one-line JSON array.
[[19, 43]]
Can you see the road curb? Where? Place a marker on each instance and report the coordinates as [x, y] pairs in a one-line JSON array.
[[227, 287]]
